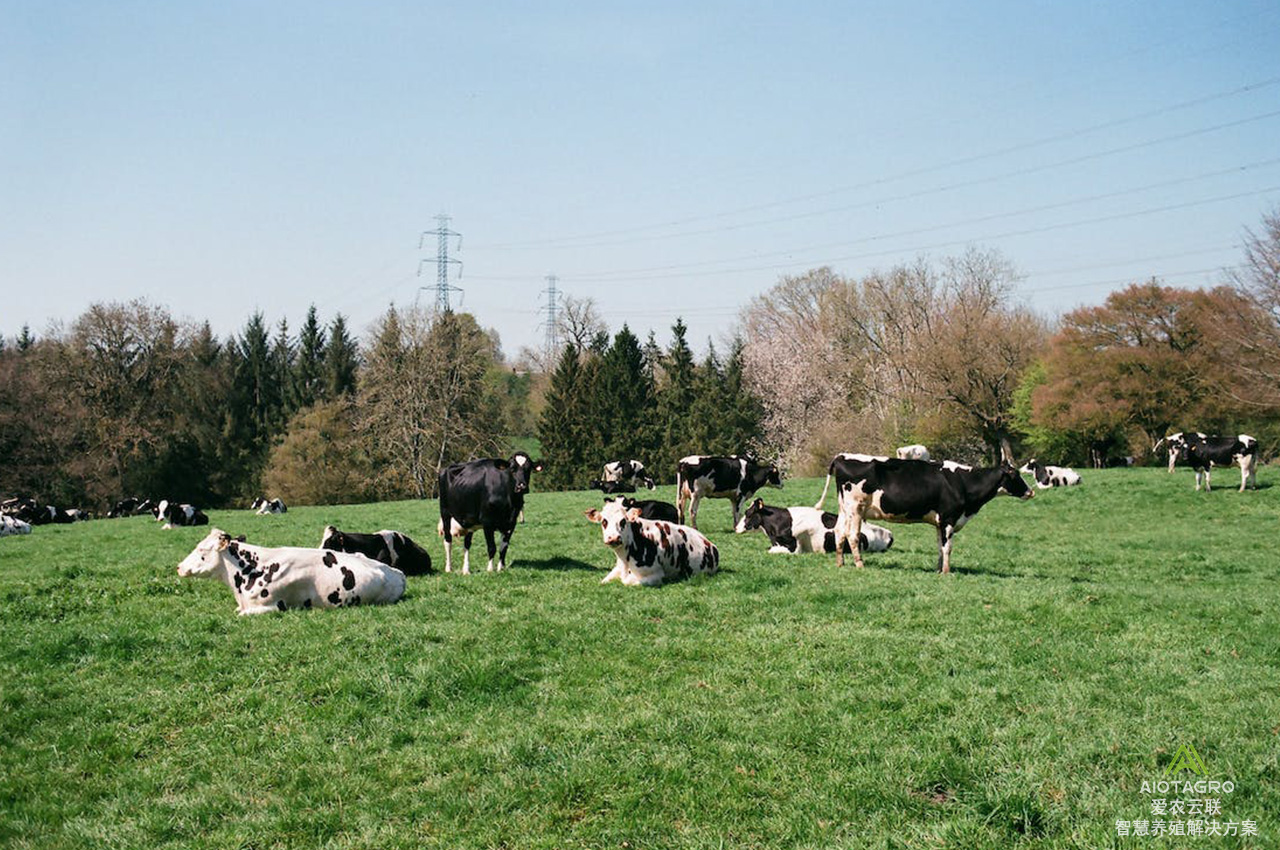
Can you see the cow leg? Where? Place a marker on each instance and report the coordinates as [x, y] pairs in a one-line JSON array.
[[735, 501], [502, 549], [946, 534], [1207, 472], [854, 532], [489, 546], [693, 509], [618, 573], [466, 553]]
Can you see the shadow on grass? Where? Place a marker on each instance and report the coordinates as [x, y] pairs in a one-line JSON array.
[[558, 563]]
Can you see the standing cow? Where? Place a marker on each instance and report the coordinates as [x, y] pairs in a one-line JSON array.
[[721, 477], [650, 552], [486, 495], [1202, 452], [916, 491]]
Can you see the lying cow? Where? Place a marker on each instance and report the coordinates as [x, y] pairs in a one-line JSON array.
[[804, 529], [12, 525], [174, 515], [650, 552], [721, 477], [622, 476], [263, 506], [1050, 476], [278, 579], [916, 491], [915, 451], [129, 507], [389, 547], [1202, 452], [653, 509]]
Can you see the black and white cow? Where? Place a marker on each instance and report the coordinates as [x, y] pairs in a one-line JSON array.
[[731, 477], [483, 494], [915, 451], [622, 476], [653, 509], [263, 506], [649, 552], [1050, 476], [29, 511], [12, 525], [129, 507], [1202, 452], [916, 491], [805, 529], [278, 579], [389, 547], [174, 515]]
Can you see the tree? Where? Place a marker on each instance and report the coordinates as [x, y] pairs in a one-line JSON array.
[[623, 399], [675, 402], [341, 360], [283, 362], [322, 460], [308, 379], [561, 427]]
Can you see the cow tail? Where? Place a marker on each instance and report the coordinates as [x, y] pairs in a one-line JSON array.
[[680, 492], [823, 498]]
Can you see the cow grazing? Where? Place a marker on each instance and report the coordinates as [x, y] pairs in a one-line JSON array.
[[729, 477], [263, 506], [650, 552], [916, 491], [915, 451], [129, 507], [264, 579], [12, 525], [174, 515], [483, 494], [1202, 452], [653, 509], [389, 547], [1050, 476], [804, 529], [622, 476]]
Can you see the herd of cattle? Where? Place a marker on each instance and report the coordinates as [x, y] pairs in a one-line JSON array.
[[650, 539]]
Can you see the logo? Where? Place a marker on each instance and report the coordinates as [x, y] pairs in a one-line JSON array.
[[1186, 758]]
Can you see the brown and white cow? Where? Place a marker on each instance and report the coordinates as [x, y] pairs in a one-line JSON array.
[[650, 552], [277, 579]]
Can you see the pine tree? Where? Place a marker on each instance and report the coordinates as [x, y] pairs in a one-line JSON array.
[[308, 379], [675, 404], [26, 339], [283, 363], [341, 356], [623, 398], [743, 411], [560, 428]]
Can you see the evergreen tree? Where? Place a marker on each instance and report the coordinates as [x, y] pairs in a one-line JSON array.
[[341, 357], [675, 404], [623, 400], [708, 407], [283, 363], [26, 339], [308, 379], [561, 426], [743, 411]]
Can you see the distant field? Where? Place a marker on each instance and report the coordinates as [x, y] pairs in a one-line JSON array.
[[1086, 635]]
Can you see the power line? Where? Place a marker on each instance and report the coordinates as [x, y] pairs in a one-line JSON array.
[[552, 308], [442, 261]]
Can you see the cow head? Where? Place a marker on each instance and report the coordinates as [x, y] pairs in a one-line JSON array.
[[752, 518], [331, 538], [1013, 484], [160, 510], [206, 558], [1177, 447], [522, 467], [615, 522]]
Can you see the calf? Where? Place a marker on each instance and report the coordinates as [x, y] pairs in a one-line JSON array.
[[265, 579], [915, 451], [263, 506], [1051, 476], [916, 491], [649, 551], [483, 494], [721, 477], [12, 525], [803, 529], [1202, 452], [621, 476], [174, 515], [653, 509], [389, 547]]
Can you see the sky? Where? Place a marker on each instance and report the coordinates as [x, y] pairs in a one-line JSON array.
[[665, 159]]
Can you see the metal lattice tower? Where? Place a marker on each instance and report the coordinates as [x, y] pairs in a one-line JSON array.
[[442, 260], [552, 308]]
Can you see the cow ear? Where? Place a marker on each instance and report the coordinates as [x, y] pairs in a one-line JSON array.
[[224, 540], [537, 466], [633, 514], [500, 463], [592, 514]]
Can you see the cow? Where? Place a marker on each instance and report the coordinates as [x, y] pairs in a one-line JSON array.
[[622, 476], [916, 491], [264, 579], [173, 515], [129, 507], [1050, 476], [389, 547], [263, 506], [805, 529], [483, 494], [650, 552], [915, 451], [1202, 452], [12, 525], [653, 509], [731, 477]]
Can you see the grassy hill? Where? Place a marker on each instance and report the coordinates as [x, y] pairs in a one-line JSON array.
[[1086, 635]]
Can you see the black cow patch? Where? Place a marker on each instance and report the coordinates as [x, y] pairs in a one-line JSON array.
[[334, 598], [280, 604], [306, 603], [348, 579], [265, 593], [330, 559], [642, 552]]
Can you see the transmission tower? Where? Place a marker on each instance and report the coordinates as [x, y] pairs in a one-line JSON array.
[[442, 260], [552, 309]]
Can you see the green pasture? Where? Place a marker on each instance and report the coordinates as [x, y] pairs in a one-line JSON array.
[[1020, 702]]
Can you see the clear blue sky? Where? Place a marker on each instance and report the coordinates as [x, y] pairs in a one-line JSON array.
[[664, 158]]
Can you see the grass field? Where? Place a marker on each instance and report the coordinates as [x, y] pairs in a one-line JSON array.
[[1022, 701]]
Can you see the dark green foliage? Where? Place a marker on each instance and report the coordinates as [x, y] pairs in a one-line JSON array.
[[25, 339], [341, 359], [623, 400], [308, 379], [562, 426]]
